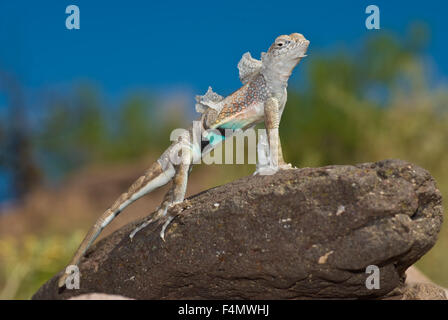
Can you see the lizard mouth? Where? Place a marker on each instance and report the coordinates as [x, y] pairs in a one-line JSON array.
[[301, 46]]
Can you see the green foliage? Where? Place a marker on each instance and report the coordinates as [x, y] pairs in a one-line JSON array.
[[80, 130], [73, 131], [27, 263], [134, 133]]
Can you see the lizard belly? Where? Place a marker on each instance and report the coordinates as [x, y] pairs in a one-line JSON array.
[[252, 115], [244, 118]]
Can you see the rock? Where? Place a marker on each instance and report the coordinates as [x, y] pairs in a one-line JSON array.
[[99, 296], [416, 277], [417, 291], [424, 291], [298, 234], [417, 287]]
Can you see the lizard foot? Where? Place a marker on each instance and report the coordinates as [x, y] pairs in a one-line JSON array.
[[266, 171], [62, 280], [176, 210], [161, 215], [286, 166], [140, 227], [165, 225]]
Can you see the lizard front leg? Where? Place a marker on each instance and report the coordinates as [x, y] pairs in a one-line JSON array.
[[272, 122]]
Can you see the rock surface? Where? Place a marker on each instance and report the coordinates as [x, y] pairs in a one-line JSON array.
[[416, 287], [298, 234], [423, 291]]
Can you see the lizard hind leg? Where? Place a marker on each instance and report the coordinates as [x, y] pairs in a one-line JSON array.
[[178, 193], [160, 212], [175, 195], [153, 178]]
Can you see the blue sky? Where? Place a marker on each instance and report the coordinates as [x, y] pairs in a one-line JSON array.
[[132, 45]]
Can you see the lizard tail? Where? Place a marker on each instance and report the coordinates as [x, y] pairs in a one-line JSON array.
[[153, 178]]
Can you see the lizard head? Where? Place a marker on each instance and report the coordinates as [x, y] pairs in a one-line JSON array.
[[285, 53]]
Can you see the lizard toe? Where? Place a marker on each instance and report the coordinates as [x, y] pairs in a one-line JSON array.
[[165, 225], [285, 166]]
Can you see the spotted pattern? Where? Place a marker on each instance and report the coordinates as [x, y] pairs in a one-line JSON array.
[[254, 92]]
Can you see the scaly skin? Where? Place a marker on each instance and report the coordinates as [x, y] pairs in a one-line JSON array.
[[261, 98]]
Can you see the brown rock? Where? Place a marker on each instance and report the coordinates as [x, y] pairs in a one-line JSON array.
[[304, 233], [424, 291]]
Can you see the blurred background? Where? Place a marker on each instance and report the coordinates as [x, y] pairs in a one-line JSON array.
[[84, 112]]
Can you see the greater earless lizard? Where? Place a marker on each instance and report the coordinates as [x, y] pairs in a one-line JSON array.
[[261, 98]]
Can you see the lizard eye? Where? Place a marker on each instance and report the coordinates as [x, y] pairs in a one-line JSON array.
[[281, 44]]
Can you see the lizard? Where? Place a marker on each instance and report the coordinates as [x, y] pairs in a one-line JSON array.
[[261, 98]]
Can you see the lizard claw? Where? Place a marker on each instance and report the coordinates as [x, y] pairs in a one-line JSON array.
[[285, 166], [165, 225], [140, 227], [62, 280]]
